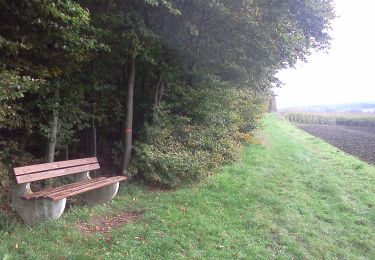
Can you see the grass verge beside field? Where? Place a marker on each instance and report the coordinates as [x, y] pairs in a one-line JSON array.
[[293, 196]]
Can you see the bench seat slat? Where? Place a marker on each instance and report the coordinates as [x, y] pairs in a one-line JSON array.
[[53, 166], [56, 173], [41, 194], [91, 186], [74, 188], [80, 187]]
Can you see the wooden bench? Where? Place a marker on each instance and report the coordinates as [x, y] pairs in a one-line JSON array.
[[35, 207]]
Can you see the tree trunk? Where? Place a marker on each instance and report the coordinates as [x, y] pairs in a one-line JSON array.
[[157, 91], [95, 149], [190, 74], [161, 92], [128, 126], [94, 138], [55, 121], [156, 98], [67, 152]]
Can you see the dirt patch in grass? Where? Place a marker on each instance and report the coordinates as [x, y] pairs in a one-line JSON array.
[[105, 224]]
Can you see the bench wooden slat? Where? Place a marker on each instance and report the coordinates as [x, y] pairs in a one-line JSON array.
[[54, 165], [90, 186], [56, 173], [82, 184], [41, 194], [71, 189]]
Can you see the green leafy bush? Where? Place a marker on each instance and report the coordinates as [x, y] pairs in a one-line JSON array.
[[11, 155], [204, 131]]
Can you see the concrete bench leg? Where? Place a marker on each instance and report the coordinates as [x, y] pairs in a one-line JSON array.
[[101, 195], [98, 196], [35, 211]]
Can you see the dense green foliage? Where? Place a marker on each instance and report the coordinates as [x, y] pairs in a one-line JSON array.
[[292, 197], [200, 72], [205, 135], [354, 119]]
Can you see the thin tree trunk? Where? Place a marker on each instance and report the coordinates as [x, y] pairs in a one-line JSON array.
[[157, 90], [190, 74], [67, 152], [156, 98], [193, 66], [94, 136], [95, 149], [55, 121], [161, 92], [128, 127], [88, 146]]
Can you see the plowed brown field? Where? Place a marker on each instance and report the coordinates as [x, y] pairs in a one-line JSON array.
[[355, 140]]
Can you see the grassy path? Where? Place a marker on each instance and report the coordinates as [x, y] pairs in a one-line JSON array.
[[294, 197]]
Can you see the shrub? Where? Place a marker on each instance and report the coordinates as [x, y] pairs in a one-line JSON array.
[[11, 155], [204, 131]]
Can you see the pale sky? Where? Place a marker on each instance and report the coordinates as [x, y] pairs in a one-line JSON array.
[[346, 73]]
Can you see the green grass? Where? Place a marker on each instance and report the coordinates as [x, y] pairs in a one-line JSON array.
[[295, 197]]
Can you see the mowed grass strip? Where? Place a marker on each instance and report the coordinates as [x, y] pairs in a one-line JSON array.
[[295, 197]]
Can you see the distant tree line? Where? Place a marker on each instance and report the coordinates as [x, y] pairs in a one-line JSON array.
[[186, 79]]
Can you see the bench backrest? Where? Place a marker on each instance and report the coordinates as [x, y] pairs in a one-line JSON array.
[[50, 170]]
